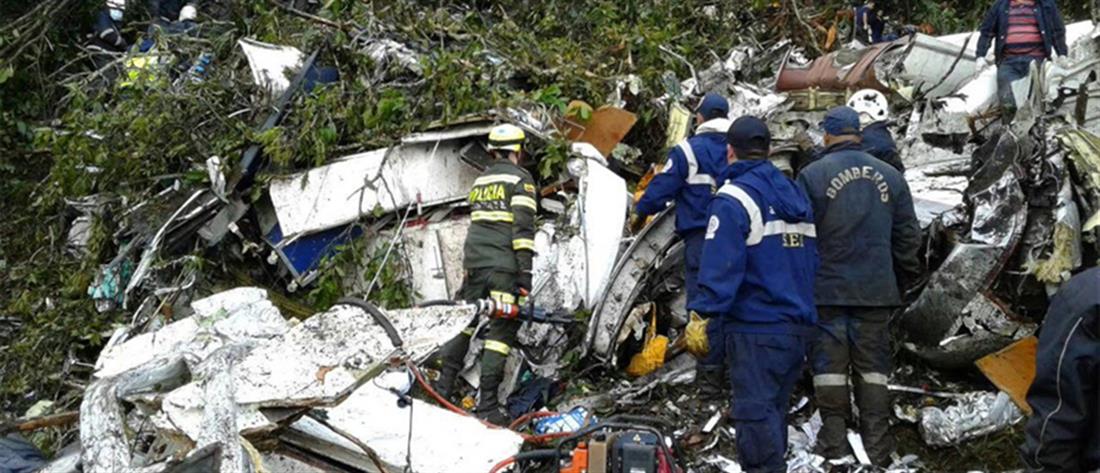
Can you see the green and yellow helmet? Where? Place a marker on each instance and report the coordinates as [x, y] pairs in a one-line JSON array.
[[507, 137]]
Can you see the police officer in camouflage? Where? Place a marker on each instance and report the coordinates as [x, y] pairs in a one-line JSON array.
[[867, 238], [499, 249]]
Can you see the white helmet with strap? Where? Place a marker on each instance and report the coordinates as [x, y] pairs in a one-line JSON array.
[[871, 106]]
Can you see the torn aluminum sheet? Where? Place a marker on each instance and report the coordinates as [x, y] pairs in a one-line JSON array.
[[322, 359], [571, 266], [338, 193], [723, 464], [1065, 247], [440, 440], [229, 317], [628, 280], [978, 414], [934, 68], [961, 282], [746, 99], [270, 63], [937, 179], [103, 426]]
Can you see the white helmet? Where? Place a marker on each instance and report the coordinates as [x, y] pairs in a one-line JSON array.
[[871, 106]]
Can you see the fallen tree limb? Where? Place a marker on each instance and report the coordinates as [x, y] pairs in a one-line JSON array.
[[54, 420]]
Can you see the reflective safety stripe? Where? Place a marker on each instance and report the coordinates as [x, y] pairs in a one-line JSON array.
[[495, 178], [492, 216], [830, 380], [499, 347], [875, 378], [1058, 388], [469, 332], [756, 221], [694, 177], [779, 227], [503, 297], [524, 201], [523, 244]]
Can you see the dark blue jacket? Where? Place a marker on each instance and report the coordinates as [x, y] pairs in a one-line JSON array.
[[872, 19], [1063, 433], [759, 256], [689, 177], [866, 227], [879, 142], [995, 26]]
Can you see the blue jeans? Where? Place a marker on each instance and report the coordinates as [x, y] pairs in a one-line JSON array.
[[1011, 69], [763, 371]]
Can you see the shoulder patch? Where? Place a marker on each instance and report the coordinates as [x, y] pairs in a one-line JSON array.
[[712, 227], [529, 188]]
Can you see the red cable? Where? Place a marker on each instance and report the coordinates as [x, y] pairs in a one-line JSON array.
[[537, 439], [503, 464]]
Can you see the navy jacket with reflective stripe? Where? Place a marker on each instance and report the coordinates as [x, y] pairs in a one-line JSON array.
[[689, 177], [760, 255]]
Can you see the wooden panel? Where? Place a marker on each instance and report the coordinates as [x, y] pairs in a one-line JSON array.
[[1012, 370]]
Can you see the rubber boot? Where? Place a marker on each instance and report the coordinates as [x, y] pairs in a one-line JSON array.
[[492, 374], [451, 356], [874, 422], [711, 380]]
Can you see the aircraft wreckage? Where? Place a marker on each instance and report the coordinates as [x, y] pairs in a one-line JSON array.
[[231, 385]]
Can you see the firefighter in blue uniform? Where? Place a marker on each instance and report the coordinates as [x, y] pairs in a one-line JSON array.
[[756, 284], [868, 238], [690, 177], [1063, 433]]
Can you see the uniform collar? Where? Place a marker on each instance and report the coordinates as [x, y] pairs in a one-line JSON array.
[[714, 125]]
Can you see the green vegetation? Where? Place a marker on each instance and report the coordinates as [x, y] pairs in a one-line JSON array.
[[66, 132]]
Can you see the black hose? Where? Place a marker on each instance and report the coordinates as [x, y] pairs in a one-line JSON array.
[[439, 303], [544, 454], [378, 316]]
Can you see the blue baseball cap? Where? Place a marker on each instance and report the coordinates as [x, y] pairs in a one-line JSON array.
[[713, 106], [840, 121], [749, 137]]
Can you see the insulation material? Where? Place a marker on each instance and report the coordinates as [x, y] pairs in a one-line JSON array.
[[322, 359], [270, 63], [386, 179], [232, 316], [441, 440], [975, 415]]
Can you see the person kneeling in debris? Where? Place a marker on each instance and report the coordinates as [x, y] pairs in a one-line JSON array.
[[498, 252], [689, 178], [756, 284], [1026, 31], [868, 235], [874, 117], [163, 12], [1063, 433]]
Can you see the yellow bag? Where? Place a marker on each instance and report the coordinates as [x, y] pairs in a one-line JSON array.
[[653, 351], [695, 336]]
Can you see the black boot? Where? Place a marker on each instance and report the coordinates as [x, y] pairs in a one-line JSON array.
[[451, 357], [492, 374], [711, 380]]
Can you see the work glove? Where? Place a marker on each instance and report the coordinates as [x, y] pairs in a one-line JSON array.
[[695, 335], [523, 287]]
